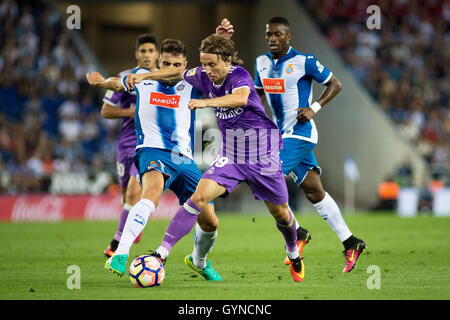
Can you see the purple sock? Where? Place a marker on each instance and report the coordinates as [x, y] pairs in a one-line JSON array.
[[122, 220], [181, 224], [289, 233]]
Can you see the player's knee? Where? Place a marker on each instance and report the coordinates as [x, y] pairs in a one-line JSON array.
[[200, 200], [280, 214], [315, 195], [132, 196]]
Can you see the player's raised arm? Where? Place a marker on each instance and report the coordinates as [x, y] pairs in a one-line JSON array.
[[97, 80], [225, 29], [166, 74]]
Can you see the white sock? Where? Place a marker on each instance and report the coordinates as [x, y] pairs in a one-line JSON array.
[[136, 221], [203, 243], [293, 255], [329, 211], [163, 252]]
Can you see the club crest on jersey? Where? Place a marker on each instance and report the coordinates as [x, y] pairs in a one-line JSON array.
[[180, 87], [289, 69], [273, 85], [164, 100], [155, 165]]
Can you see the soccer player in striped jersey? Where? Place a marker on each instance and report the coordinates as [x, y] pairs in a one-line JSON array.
[[284, 75], [163, 157], [121, 105], [254, 159]]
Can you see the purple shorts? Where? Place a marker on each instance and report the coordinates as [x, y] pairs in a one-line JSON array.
[[266, 181], [125, 168]]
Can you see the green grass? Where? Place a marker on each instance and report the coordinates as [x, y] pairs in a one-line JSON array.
[[413, 255]]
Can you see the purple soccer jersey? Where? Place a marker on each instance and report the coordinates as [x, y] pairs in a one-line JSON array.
[[246, 131], [126, 142], [250, 139]]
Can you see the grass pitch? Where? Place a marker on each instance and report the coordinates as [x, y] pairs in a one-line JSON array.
[[412, 254]]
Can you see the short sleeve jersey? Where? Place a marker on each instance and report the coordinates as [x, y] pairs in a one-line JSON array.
[[162, 117], [287, 83]]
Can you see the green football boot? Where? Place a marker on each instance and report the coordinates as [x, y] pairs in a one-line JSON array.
[[117, 264], [207, 272]]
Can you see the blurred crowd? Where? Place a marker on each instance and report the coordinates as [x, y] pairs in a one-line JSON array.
[[405, 65], [49, 117], [50, 120]]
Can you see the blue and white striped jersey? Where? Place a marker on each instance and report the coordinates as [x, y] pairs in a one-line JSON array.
[[287, 83], [162, 117]]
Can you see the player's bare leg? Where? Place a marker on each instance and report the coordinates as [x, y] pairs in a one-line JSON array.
[[330, 212]]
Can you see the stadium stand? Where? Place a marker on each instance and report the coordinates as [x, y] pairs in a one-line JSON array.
[[405, 66], [49, 117]]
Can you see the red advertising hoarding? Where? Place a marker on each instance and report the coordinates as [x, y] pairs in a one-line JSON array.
[[45, 207]]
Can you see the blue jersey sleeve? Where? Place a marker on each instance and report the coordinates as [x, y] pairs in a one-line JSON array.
[[317, 71], [124, 78], [258, 84]]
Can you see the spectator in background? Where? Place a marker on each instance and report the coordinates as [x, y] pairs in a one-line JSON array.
[[388, 194], [404, 174], [405, 65], [48, 119]]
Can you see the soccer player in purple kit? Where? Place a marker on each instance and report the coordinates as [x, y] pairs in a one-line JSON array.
[[163, 155], [122, 105], [255, 160]]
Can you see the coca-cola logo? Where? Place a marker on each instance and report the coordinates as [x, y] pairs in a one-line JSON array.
[[102, 208], [40, 208]]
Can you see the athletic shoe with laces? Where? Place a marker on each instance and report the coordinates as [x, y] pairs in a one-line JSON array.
[[352, 254], [297, 269], [157, 256], [303, 237], [108, 252], [207, 272], [117, 264]]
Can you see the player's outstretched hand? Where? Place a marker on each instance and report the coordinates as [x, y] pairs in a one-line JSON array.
[[94, 78], [225, 29], [132, 79], [305, 114]]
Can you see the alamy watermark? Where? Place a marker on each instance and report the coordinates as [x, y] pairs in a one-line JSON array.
[[74, 280], [374, 20], [73, 22], [374, 280]]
